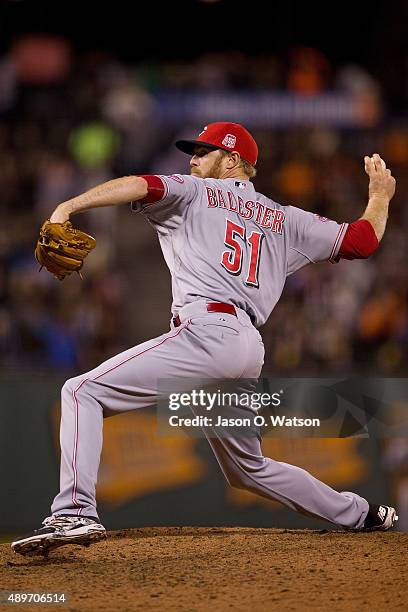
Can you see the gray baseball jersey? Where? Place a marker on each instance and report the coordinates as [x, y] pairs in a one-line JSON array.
[[225, 242]]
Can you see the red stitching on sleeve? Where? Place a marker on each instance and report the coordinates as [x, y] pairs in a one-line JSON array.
[[336, 242]]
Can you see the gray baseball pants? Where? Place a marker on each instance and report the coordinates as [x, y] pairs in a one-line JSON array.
[[205, 345]]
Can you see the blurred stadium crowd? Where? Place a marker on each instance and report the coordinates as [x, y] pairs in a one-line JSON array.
[[69, 121]]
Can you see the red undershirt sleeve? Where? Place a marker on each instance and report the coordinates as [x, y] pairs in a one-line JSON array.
[[359, 241], [156, 188]]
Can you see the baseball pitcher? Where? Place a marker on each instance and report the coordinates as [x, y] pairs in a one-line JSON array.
[[229, 250]]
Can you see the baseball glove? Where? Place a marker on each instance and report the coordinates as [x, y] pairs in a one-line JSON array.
[[62, 249]]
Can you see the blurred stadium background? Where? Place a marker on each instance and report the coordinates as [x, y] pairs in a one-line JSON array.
[[85, 98]]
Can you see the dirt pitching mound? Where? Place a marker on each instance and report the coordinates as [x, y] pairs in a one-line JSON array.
[[196, 568]]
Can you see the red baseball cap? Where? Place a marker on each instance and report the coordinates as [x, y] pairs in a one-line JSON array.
[[226, 136]]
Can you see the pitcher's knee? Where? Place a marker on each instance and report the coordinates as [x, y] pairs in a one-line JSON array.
[[67, 388], [239, 478], [234, 481], [71, 388]]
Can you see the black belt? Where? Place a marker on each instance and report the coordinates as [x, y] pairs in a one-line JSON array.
[[212, 307]]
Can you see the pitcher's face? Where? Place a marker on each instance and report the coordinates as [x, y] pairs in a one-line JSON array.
[[206, 163]]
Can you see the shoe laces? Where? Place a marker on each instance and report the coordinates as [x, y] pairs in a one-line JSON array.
[[59, 521]]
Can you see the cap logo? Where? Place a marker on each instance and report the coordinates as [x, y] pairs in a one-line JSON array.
[[229, 141]]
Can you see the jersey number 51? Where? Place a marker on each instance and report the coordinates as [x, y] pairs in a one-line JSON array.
[[232, 260]]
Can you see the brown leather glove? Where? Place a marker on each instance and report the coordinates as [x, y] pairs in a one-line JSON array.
[[62, 249]]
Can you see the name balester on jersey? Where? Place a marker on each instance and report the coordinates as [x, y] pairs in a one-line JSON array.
[[264, 216], [224, 242]]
